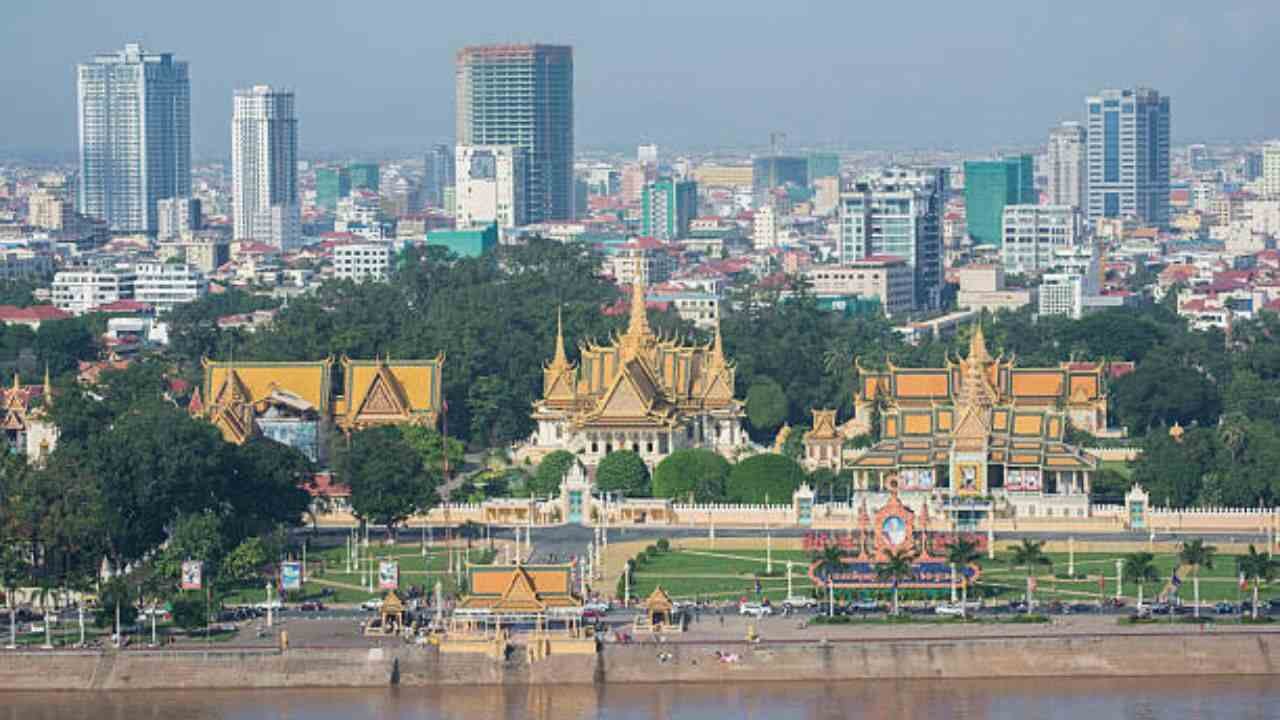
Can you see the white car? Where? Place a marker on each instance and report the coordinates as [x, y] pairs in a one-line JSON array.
[[949, 610], [274, 604], [754, 609], [371, 605], [799, 601], [598, 606]]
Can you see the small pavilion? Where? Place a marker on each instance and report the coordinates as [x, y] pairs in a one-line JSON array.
[[659, 614], [514, 594]]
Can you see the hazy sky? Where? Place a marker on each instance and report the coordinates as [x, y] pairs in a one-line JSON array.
[[378, 74]]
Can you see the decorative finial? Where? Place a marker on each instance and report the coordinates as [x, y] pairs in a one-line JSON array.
[[48, 388]]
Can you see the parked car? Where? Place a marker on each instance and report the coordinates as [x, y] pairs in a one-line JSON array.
[[865, 606], [796, 602], [311, 606], [590, 613], [949, 610], [273, 604], [754, 609], [598, 606], [371, 605], [1224, 608]]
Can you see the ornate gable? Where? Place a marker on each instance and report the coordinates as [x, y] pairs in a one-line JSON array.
[[384, 397], [520, 595]]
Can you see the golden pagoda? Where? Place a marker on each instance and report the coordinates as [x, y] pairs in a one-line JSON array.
[[979, 425], [640, 391]]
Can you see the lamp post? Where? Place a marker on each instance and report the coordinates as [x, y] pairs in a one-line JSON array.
[[789, 594], [1071, 556], [269, 605], [1119, 577]]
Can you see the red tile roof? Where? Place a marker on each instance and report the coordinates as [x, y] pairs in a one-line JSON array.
[[33, 313]]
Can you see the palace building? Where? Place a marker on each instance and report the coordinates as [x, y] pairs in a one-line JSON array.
[[295, 403], [28, 430], [639, 392], [983, 427]]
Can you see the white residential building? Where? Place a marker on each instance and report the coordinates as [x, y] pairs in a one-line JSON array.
[[264, 167], [489, 187], [1271, 169], [82, 290], [164, 285], [177, 216], [362, 261], [1031, 234], [1063, 294], [764, 228], [1066, 168]]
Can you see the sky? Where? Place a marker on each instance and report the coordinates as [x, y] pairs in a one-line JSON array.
[[377, 75]]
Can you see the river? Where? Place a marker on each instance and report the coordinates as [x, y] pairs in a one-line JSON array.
[[1042, 699]]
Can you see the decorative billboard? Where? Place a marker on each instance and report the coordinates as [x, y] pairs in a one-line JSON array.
[[291, 576], [192, 575], [389, 575]]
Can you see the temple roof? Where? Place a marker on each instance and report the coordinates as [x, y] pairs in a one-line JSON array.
[[520, 588]]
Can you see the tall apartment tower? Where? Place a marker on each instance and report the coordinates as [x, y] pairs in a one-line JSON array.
[[1271, 169], [990, 185], [522, 95], [897, 214], [1066, 165], [1128, 156], [264, 167], [438, 174], [135, 136]]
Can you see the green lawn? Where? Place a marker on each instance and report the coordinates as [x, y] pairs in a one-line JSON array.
[[731, 573]]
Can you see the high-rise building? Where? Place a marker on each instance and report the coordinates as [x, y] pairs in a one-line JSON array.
[[438, 174], [365, 176], [522, 95], [1066, 169], [135, 136], [1252, 165], [1271, 169], [490, 187], [990, 185], [1032, 233], [774, 171], [1128, 157], [822, 165], [764, 228], [176, 217], [332, 184], [897, 214], [264, 167], [668, 206], [647, 154]]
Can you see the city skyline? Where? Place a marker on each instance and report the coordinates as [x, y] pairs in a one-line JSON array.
[[971, 72]]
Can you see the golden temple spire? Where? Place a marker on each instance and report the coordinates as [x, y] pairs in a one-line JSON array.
[[638, 332], [978, 345], [48, 388], [17, 384], [560, 359]]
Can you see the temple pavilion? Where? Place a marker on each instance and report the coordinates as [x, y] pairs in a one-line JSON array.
[[639, 392], [296, 402], [980, 427]]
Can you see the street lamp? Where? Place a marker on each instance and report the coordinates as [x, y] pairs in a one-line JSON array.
[[1119, 577]]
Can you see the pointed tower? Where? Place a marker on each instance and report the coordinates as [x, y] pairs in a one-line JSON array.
[[48, 388], [558, 376]]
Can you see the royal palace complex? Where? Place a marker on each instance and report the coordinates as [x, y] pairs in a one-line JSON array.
[[639, 392], [983, 428], [298, 403]]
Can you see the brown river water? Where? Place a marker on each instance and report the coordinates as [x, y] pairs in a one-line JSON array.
[[1040, 699]]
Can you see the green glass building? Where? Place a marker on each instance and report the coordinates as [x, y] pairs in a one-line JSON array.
[[466, 243], [823, 165], [332, 184], [668, 208], [990, 185], [364, 175]]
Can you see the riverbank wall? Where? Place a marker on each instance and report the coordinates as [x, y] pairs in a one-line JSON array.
[[1083, 656]]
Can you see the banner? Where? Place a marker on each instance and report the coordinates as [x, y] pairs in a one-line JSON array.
[[291, 575], [192, 575], [388, 574]]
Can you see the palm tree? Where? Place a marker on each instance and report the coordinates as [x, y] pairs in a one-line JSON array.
[[1029, 555], [1141, 568], [895, 568], [832, 559], [1259, 568], [961, 553], [1196, 555]]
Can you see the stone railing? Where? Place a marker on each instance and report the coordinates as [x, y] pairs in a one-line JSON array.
[[1115, 454]]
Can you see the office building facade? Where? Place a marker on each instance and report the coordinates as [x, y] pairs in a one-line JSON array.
[[438, 174], [264, 167], [489, 187], [1066, 165], [177, 216], [1033, 233], [990, 185], [522, 95], [667, 207], [1128, 156], [135, 136], [332, 184], [897, 215]]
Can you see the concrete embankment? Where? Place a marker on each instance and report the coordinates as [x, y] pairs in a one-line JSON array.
[[1069, 656]]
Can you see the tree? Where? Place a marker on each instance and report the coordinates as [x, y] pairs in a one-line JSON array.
[[896, 567], [1259, 568], [550, 473], [1028, 556], [1140, 567], [765, 477], [961, 553], [244, 564], [766, 406], [264, 487], [623, 471], [191, 610], [195, 536], [696, 472], [829, 562], [116, 600], [434, 448], [387, 479], [1196, 555]]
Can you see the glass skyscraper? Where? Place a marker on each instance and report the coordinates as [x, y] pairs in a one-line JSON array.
[[135, 136], [264, 167], [990, 185], [522, 95], [1128, 155]]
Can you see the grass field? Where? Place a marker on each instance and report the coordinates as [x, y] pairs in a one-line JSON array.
[[728, 574]]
